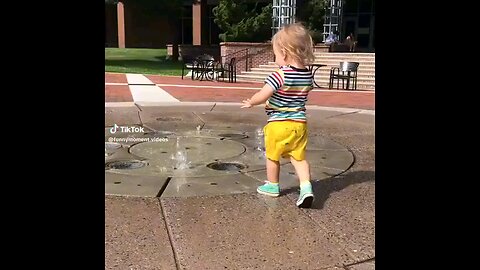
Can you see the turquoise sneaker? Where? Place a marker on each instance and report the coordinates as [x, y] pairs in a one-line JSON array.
[[269, 189], [306, 197]]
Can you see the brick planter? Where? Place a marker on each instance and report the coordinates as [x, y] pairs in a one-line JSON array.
[[192, 50], [321, 47], [247, 54]]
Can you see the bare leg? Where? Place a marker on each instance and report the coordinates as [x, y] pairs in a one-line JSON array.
[[302, 168], [305, 199], [273, 170], [272, 187]]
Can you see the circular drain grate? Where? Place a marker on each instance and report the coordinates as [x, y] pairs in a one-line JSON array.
[[221, 166], [125, 164], [233, 135]]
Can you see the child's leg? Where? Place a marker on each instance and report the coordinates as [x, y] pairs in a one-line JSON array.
[[306, 197], [302, 168], [273, 170], [271, 187]]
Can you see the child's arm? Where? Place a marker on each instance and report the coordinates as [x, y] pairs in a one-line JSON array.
[[259, 97]]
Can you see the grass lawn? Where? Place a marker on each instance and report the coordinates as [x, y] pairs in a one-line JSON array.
[[144, 61]]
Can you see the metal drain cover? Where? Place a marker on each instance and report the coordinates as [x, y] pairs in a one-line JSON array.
[[233, 135], [125, 164], [226, 166]]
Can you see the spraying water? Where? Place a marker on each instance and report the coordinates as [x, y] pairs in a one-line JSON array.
[[181, 164], [259, 142], [180, 157]]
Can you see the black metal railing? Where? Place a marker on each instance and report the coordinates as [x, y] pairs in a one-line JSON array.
[[225, 60]]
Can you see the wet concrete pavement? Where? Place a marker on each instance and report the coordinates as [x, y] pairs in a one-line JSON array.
[[177, 213]]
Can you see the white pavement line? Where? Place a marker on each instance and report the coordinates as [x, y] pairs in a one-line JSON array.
[[150, 93], [340, 109], [147, 92], [343, 91], [182, 103], [240, 87], [119, 104], [309, 107], [209, 86], [258, 88], [138, 79], [116, 83], [314, 107]]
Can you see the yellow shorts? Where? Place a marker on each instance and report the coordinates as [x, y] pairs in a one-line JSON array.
[[285, 139]]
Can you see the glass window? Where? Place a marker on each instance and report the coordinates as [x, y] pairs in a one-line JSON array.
[[187, 11], [351, 6], [365, 5], [364, 20], [187, 37], [363, 40]]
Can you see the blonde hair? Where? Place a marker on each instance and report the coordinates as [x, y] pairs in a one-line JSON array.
[[296, 42]]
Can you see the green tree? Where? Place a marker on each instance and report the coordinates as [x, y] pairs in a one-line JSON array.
[[312, 13], [243, 20]]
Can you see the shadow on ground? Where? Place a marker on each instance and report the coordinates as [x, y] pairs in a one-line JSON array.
[[323, 188]]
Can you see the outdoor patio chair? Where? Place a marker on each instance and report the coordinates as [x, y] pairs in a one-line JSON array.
[[228, 70], [346, 72], [204, 67], [188, 63]]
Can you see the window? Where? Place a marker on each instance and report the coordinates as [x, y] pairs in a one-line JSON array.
[[351, 6], [364, 21], [365, 6]]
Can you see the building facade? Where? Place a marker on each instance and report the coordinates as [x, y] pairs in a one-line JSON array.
[[128, 26]]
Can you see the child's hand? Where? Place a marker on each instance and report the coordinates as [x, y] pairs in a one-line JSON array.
[[246, 104]]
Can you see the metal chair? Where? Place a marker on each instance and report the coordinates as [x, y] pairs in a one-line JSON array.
[[348, 72], [205, 67], [188, 62], [228, 69]]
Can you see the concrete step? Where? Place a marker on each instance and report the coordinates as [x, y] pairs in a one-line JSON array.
[[323, 74], [274, 67], [346, 54], [335, 63], [324, 70], [338, 60], [317, 78], [341, 55], [366, 70]]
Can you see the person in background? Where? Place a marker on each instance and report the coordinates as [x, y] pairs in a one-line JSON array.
[[332, 38], [350, 41]]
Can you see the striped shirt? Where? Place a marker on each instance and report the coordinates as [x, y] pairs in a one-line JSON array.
[[290, 91]]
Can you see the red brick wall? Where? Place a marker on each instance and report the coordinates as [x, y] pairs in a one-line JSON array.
[[320, 47], [258, 54]]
